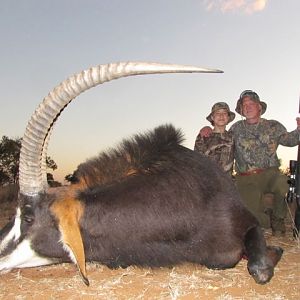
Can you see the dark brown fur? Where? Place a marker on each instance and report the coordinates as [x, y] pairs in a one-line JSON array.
[[175, 206], [143, 154]]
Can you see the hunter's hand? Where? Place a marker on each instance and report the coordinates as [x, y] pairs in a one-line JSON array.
[[206, 131]]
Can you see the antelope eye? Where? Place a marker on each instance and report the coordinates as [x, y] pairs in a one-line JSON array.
[[28, 219]]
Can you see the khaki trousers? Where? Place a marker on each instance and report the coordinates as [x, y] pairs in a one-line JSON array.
[[253, 187]]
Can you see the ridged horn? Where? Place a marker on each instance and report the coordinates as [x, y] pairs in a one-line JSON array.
[[32, 168]]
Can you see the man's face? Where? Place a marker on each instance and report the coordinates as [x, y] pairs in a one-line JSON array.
[[220, 117], [251, 109]]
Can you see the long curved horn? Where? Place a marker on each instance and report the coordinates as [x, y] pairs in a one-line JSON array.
[[34, 144]]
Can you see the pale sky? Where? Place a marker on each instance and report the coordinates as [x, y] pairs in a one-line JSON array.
[[255, 43]]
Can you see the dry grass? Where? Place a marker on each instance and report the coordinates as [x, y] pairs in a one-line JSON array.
[[181, 282]]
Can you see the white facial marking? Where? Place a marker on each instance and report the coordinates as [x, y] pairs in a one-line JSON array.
[[14, 233], [22, 257]]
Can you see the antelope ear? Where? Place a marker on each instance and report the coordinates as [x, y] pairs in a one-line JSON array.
[[68, 213]]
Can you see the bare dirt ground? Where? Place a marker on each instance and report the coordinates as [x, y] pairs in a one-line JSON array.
[[182, 282]]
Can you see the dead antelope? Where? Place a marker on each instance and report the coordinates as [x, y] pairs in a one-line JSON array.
[[151, 202]]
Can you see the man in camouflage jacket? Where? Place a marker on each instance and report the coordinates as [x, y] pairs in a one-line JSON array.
[[256, 163]]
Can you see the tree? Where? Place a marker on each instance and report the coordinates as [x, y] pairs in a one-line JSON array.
[[9, 160], [51, 164], [51, 181], [72, 178]]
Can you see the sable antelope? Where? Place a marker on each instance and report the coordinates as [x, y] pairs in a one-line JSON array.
[[151, 202]]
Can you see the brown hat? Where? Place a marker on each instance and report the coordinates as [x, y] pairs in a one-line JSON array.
[[218, 106], [254, 97]]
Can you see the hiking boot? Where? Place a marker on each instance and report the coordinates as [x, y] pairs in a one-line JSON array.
[[278, 226]]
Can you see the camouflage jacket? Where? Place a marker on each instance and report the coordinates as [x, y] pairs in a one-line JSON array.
[[219, 147], [256, 145]]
